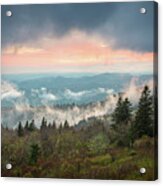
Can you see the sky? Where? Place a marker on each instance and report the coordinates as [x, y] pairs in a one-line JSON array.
[[82, 37]]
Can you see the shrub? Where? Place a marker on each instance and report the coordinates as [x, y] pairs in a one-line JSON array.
[[144, 142]]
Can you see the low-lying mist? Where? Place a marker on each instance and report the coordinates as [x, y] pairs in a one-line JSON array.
[[23, 111]]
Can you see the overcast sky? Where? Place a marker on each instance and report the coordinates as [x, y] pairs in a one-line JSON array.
[[99, 37]]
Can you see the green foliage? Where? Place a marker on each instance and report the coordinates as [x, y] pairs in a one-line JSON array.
[[20, 130], [34, 153], [132, 153], [121, 122], [102, 160], [67, 170], [72, 155], [98, 144], [60, 128], [143, 124], [144, 142], [43, 124], [122, 112], [26, 126], [97, 150], [66, 125], [54, 125], [32, 126]]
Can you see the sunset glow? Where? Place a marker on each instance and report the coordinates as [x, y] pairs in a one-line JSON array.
[[75, 51], [70, 39]]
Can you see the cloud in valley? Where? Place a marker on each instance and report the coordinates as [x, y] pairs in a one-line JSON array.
[[73, 114], [10, 91]]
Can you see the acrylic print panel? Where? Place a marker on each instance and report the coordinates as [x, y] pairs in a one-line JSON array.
[[79, 91]]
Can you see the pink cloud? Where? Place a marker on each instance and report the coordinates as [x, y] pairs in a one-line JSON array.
[[73, 51]]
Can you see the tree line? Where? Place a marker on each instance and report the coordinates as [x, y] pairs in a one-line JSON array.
[[122, 118]]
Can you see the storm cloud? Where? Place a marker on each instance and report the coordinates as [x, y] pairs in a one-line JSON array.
[[121, 22]]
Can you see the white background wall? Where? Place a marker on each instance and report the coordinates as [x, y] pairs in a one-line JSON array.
[[58, 182]]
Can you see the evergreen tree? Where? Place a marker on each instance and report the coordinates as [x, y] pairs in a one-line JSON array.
[[26, 126], [66, 125], [32, 126], [50, 125], [143, 124], [43, 124], [126, 110], [122, 113], [121, 122], [116, 116], [60, 128], [34, 153], [20, 130], [54, 125]]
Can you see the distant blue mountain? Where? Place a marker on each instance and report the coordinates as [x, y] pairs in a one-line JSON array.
[[62, 89], [55, 97], [114, 81]]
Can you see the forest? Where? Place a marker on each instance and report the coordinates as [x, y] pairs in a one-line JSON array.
[[112, 148]]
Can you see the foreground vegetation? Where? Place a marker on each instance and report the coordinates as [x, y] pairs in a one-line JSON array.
[[96, 150]]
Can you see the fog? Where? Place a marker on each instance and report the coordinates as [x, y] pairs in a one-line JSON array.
[[23, 111]]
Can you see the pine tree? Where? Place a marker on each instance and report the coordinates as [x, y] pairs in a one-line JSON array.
[[43, 124], [32, 126], [126, 110], [143, 124], [122, 113], [26, 126], [116, 116], [60, 128], [66, 125], [20, 130], [121, 122], [34, 153], [50, 126], [54, 125]]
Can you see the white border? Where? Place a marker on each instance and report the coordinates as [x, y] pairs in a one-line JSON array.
[[61, 182]]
